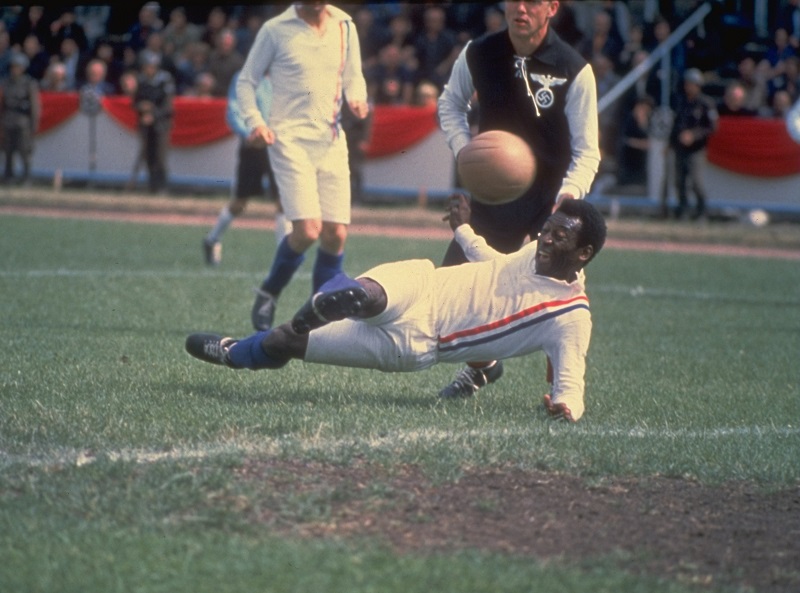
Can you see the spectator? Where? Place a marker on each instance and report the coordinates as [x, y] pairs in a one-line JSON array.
[[94, 20], [390, 82], [204, 87], [128, 82], [370, 35], [493, 19], [400, 32], [565, 23], [620, 19], [190, 64], [224, 61], [66, 26], [20, 110], [104, 52], [155, 43], [608, 120], [96, 80], [778, 51], [635, 143], [91, 93], [754, 84], [654, 35], [733, 101], [436, 47], [148, 22], [466, 20], [179, 32], [34, 21], [72, 59], [632, 46], [781, 104], [216, 21], [38, 58], [130, 59], [426, 94], [774, 63], [602, 40], [5, 54], [695, 119], [55, 79], [789, 19], [153, 102], [791, 77], [246, 32]]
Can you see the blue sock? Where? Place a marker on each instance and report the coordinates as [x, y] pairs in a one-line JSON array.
[[326, 266], [285, 264], [248, 354]]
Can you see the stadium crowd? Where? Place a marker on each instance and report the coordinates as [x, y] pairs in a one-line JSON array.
[[409, 48]]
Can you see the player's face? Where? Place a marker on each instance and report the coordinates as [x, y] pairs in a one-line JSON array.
[[311, 7], [528, 19], [557, 252]]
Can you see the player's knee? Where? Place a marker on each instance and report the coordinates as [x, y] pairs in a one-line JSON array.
[[333, 237], [306, 231]]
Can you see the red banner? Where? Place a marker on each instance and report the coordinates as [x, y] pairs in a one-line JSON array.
[[56, 109], [754, 146], [202, 121], [197, 121], [396, 128]]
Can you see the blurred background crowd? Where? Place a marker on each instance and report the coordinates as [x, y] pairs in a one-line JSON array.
[[747, 51]]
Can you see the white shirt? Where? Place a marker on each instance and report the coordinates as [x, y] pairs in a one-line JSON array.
[[508, 310], [311, 72]]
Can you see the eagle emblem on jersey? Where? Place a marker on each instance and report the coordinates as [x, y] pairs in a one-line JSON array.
[[543, 97]]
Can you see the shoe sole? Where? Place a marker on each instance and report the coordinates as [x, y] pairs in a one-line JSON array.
[[333, 306]]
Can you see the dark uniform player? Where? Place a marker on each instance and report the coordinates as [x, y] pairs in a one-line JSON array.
[[252, 165], [695, 121], [20, 110], [529, 82], [153, 102]]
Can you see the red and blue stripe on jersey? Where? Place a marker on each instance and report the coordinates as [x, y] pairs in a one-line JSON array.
[[512, 324]]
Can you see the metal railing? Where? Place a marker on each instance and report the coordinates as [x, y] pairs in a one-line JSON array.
[[661, 53]]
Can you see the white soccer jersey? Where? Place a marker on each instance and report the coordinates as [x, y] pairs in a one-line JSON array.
[[310, 73], [490, 309]]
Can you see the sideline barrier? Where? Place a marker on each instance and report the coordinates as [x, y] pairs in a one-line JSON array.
[[751, 160], [407, 153]]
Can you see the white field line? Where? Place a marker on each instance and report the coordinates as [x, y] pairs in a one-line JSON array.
[[633, 291], [393, 441], [153, 274]]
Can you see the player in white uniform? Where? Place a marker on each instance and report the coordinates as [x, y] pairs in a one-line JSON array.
[[409, 315], [312, 55]]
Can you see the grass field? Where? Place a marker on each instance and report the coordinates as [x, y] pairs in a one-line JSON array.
[[122, 458]]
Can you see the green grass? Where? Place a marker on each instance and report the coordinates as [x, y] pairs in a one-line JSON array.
[[692, 373]]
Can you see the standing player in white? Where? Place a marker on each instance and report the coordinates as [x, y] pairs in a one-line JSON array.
[[410, 315], [312, 55]]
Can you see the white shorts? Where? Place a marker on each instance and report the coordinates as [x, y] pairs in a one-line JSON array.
[[402, 338], [313, 178]]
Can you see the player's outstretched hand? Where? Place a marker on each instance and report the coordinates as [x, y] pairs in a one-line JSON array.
[[557, 411], [458, 211]]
